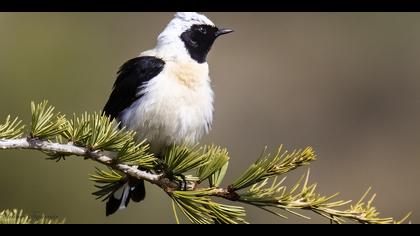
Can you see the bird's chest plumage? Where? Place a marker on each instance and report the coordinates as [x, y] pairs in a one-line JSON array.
[[176, 107]]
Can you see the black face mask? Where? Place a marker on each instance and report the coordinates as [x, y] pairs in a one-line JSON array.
[[199, 39]]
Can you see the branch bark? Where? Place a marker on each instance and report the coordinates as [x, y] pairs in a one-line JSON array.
[[161, 180], [42, 145]]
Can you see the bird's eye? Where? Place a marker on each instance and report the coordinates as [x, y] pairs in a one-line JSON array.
[[202, 30]]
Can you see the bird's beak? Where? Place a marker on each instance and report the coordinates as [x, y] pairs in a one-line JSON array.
[[223, 31]]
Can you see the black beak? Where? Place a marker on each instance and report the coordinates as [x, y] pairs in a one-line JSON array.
[[223, 31]]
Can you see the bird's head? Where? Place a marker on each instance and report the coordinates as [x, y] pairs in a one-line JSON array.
[[189, 34]]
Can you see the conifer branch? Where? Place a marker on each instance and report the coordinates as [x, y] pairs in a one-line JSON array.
[[70, 149], [182, 170]]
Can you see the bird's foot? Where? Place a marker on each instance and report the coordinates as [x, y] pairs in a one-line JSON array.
[[183, 181]]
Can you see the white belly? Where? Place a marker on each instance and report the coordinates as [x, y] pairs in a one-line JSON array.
[[171, 110]]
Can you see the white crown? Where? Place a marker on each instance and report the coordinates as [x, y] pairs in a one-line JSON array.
[[193, 17]]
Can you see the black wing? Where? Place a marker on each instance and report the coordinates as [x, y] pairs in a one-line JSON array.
[[131, 76]]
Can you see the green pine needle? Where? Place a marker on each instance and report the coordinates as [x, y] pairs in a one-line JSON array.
[[18, 217], [217, 158], [180, 159], [268, 165], [276, 196], [200, 209], [45, 123], [216, 178], [175, 213], [107, 182], [106, 135], [11, 129], [136, 155], [79, 129]]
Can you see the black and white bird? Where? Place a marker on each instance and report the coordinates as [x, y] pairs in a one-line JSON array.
[[165, 94]]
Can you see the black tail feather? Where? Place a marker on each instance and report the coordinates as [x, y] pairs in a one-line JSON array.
[[138, 192], [112, 205], [133, 190]]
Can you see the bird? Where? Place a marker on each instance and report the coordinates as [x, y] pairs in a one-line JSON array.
[[165, 94]]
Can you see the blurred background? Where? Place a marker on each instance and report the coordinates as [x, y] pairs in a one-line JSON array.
[[344, 83]]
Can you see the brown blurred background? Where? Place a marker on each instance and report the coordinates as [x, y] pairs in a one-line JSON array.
[[345, 83]]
